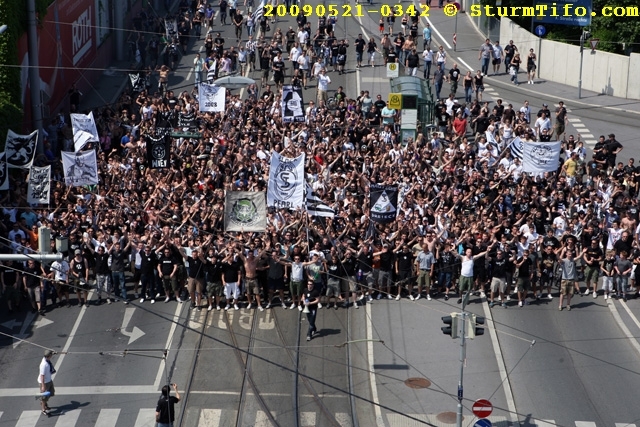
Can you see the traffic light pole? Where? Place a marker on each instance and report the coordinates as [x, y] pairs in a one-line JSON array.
[[463, 356]]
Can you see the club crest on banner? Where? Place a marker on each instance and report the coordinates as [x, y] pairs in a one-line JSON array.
[[286, 182], [20, 149], [245, 211]]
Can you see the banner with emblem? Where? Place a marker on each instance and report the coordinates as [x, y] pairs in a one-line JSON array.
[[171, 28], [384, 202], [158, 151], [292, 104], [20, 149], [286, 182], [245, 211], [138, 82], [539, 157], [84, 130], [39, 188], [211, 98], [4, 173], [80, 168]]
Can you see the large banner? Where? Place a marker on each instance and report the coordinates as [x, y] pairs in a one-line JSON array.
[[211, 97], [39, 185], [158, 151], [4, 173], [84, 130], [292, 104], [80, 168], [315, 205], [138, 82], [384, 202], [171, 27], [245, 211], [286, 182], [20, 149], [539, 157]]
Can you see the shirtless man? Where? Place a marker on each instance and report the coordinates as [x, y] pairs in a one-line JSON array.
[[250, 262]]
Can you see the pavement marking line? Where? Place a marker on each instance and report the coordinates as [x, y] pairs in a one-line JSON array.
[[68, 419], [588, 135], [28, 418], [630, 313], [625, 330], [262, 420], [374, 80], [433, 27], [545, 423], [72, 334], [372, 373], [107, 418], [506, 385], [146, 417], [172, 330], [460, 60], [210, 417], [585, 424], [190, 73], [343, 419], [625, 425], [308, 419], [83, 390]]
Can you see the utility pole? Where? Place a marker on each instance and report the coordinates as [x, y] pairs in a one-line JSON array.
[[585, 35], [462, 325], [34, 72]]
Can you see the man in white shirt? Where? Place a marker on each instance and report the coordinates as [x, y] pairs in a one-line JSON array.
[[46, 370], [542, 123], [427, 57], [323, 85], [526, 110]]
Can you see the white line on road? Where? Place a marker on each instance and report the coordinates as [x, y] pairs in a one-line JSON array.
[[190, 73], [433, 27], [506, 385], [625, 330], [465, 64], [72, 334], [372, 373], [210, 417], [172, 330], [68, 419], [585, 424], [107, 418], [28, 418], [82, 390], [630, 313], [146, 417]]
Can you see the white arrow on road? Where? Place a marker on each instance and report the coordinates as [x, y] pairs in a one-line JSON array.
[[11, 324], [42, 322], [135, 332], [22, 335]]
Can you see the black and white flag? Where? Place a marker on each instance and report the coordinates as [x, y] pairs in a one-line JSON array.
[[383, 202], [211, 97], [20, 149], [245, 211], [4, 173], [187, 120], [171, 27], [80, 168], [138, 82], [257, 14], [84, 130], [292, 104], [315, 205], [517, 148], [286, 182], [39, 185], [158, 151]]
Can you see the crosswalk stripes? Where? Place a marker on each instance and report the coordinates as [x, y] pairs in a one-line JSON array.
[[68, 419], [210, 417], [28, 419], [108, 418], [146, 418], [625, 425]]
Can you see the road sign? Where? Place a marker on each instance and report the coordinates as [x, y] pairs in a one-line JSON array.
[[540, 30], [457, 5], [392, 70], [482, 423], [395, 99], [482, 408], [594, 43]]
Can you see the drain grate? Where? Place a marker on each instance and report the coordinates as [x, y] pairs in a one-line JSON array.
[[417, 383], [447, 417]]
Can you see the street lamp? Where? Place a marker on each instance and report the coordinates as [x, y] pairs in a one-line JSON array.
[[583, 37]]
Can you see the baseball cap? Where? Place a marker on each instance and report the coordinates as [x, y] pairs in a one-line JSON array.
[[77, 252], [48, 353], [544, 105]]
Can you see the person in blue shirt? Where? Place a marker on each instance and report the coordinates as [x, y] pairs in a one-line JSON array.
[[426, 35]]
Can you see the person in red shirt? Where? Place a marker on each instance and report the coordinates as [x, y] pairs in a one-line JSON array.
[[460, 125]]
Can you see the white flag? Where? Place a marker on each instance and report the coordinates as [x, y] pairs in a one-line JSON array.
[[80, 168], [171, 27], [286, 182], [4, 173], [39, 185], [211, 97], [20, 149], [257, 14], [245, 211], [516, 147], [84, 130], [315, 205], [538, 157]]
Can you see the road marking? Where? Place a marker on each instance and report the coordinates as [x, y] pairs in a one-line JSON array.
[[433, 27], [308, 419], [465, 64], [268, 323], [23, 331], [545, 423], [72, 334], [262, 420], [374, 80], [625, 330], [210, 417], [506, 385], [68, 419], [28, 418], [630, 313], [107, 418], [172, 330], [136, 332], [146, 418], [190, 73], [588, 136], [372, 373], [343, 418], [84, 390], [625, 425], [585, 424]]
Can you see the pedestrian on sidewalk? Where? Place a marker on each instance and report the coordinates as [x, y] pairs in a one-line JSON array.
[[485, 55], [531, 67], [515, 68], [198, 67], [46, 381]]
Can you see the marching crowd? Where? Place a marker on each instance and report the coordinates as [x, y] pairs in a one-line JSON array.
[[469, 220]]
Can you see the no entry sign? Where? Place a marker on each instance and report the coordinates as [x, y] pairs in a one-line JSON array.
[[482, 408]]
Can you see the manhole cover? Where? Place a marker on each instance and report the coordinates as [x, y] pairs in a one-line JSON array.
[[417, 383], [447, 417]]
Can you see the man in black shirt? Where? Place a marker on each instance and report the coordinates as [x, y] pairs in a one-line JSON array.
[[165, 409], [446, 266], [404, 269], [213, 277], [33, 285], [499, 267], [231, 276], [11, 279], [168, 271], [386, 269], [365, 272], [148, 264], [525, 276], [360, 44], [311, 300], [276, 277], [195, 282], [278, 70], [592, 257], [379, 103], [103, 282], [348, 272]]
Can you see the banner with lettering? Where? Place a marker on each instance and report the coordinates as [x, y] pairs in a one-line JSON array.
[[80, 168], [39, 188], [158, 151], [292, 104], [84, 130], [211, 98], [539, 157], [286, 182], [383, 202]]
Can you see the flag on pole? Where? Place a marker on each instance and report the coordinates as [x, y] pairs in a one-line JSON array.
[[516, 148], [383, 202], [292, 104], [315, 205], [80, 168], [20, 149], [84, 130], [257, 14], [39, 185], [4, 174]]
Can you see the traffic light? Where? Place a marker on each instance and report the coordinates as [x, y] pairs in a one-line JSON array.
[[472, 328], [452, 325]]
